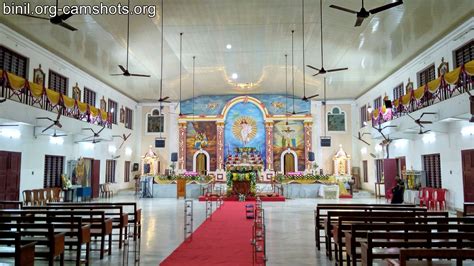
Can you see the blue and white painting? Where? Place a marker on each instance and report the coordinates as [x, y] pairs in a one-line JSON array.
[[244, 127], [214, 104]]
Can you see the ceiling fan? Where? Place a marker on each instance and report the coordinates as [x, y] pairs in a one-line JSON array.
[[125, 71], [180, 75], [55, 135], [322, 70], [123, 137], [293, 75], [380, 129], [95, 138], [360, 135], [420, 122], [363, 13], [304, 72], [56, 20], [55, 122], [162, 99], [8, 125]]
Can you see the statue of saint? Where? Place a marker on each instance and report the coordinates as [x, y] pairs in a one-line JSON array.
[[245, 131]]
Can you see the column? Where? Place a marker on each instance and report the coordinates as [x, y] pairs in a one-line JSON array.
[[269, 144], [308, 144], [220, 146], [182, 147]]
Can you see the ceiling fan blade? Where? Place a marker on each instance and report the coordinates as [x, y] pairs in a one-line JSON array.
[[128, 136], [312, 67], [359, 21], [385, 7], [58, 124], [163, 99], [121, 145], [63, 135], [314, 75], [8, 125], [426, 113], [425, 122], [31, 16], [67, 26], [337, 69], [312, 96], [122, 68], [50, 126], [116, 74], [65, 16], [140, 75], [45, 118], [343, 9], [100, 130]]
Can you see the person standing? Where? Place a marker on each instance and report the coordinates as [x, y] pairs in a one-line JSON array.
[[398, 190]]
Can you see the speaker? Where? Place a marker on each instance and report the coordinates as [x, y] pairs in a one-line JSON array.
[[159, 143], [388, 103], [325, 141], [311, 156], [135, 167], [174, 156]]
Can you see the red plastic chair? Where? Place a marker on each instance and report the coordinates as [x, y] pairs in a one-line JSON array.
[[440, 199], [428, 198]]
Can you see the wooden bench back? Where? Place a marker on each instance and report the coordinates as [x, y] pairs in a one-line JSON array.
[[460, 254]]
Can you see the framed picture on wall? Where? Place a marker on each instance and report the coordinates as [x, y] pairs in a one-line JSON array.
[[336, 120], [155, 122], [39, 76], [122, 115], [76, 93], [443, 68]]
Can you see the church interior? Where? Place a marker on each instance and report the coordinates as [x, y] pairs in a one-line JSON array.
[[251, 132]]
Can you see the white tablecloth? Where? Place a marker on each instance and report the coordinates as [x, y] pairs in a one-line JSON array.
[[410, 196], [329, 191]]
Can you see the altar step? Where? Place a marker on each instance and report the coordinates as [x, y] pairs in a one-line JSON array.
[[362, 194]]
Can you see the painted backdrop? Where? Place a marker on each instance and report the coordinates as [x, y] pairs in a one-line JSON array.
[[286, 136], [201, 135], [244, 127]]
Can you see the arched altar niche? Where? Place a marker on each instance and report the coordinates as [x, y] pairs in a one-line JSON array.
[[283, 161], [207, 157], [150, 163]]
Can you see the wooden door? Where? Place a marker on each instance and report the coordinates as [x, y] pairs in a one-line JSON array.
[[389, 173], [10, 168], [201, 164], [289, 163], [468, 174], [3, 174], [181, 188], [95, 178]]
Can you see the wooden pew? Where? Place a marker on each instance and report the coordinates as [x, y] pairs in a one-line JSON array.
[[77, 233], [468, 209], [100, 225], [134, 217], [116, 213], [406, 254], [23, 252], [388, 245], [49, 244], [10, 204], [358, 232], [322, 209], [332, 216]]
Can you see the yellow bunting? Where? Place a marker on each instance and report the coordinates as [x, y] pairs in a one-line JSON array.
[[103, 115], [384, 109], [453, 76], [376, 113], [433, 85], [69, 102], [16, 82], [406, 99], [36, 90], [396, 103], [469, 67], [94, 111], [53, 96], [82, 107], [418, 93]]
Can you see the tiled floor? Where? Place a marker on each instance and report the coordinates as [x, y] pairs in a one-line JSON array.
[[290, 231]]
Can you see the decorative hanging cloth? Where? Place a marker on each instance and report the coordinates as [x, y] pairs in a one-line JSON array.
[[103, 115], [396, 103], [69, 102], [94, 111], [406, 99], [36, 90], [82, 107], [469, 68], [433, 85], [15, 82], [376, 113], [453, 76], [419, 93], [53, 97]]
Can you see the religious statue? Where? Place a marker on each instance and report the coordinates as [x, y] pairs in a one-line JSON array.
[[200, 140], [245, 131], [443, 68], [38, 76], [80, 171], [342, 163], [103, 104], [76, 93]]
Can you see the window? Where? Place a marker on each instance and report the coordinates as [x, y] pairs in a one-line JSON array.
[[365, 173], [13, 62], [113, 111], [155, 122], [53, 169], [398, 91], [464, 54], [89, 96], [128, 118], [110, 171], [363, 115], [58, 82], [336, 120], [432, 167], [426, 75], [126, 174], [378, 103], [379, 170]]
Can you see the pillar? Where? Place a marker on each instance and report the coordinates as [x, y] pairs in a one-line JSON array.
[[308, 144], [182, 147], [269, 144], [220, 146]]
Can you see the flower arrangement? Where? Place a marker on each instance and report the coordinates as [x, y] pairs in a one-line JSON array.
[[246, 176], [66, 182], [309, 178]]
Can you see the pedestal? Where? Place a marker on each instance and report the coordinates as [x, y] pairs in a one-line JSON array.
[[240, 187]]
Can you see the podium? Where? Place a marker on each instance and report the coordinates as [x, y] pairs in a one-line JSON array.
[[181, 188]]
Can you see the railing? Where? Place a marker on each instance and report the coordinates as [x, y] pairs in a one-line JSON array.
[[445, 87], [20, 90]]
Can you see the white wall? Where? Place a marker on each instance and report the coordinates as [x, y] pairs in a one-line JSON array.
[[448, 142], [33, 150]]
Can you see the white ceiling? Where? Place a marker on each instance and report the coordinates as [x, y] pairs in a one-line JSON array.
[[259, 32]]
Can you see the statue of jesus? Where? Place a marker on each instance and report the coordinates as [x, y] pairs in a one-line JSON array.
[[245, 131]]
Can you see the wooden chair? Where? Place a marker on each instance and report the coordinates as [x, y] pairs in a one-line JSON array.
[[49, 194], [28, 198], [108, 191], [56, 194]]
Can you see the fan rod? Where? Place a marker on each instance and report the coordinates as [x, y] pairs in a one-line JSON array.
[[128, 32], [286, 85], [180, 65], [322, 45], [325, 107], [293, 68], [304, 67], [194, 67], [162, 36]]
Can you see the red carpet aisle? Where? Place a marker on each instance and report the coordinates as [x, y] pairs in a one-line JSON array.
[[224, 240]]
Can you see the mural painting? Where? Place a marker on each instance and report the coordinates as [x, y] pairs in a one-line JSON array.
[[201, 135], [288, 134]]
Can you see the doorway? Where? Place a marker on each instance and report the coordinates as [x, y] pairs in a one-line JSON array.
[[10, 166], [468, 174], [201, 164], [95, 178], [288, 163]]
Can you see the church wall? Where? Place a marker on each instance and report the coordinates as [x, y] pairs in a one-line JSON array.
[[448, 140], [33, 150]]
